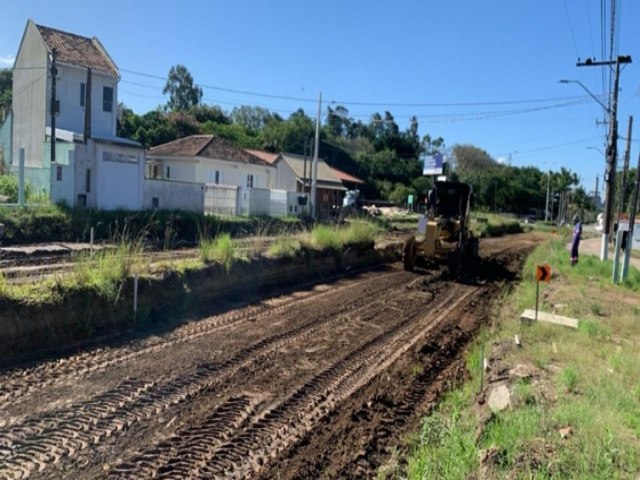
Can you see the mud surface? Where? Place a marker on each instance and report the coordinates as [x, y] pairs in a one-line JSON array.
[[322, 382]]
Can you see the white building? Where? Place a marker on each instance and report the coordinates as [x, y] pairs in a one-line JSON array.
[[91, 165], [208, 159]]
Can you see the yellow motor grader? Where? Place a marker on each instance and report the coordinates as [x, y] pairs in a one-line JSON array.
[[443, 232]]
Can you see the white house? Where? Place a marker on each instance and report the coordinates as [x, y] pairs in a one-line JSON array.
[[208, 159], [90, 165]]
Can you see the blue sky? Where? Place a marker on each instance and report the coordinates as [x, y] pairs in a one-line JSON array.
[[478, 72]]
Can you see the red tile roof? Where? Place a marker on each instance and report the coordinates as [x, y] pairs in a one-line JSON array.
[[266, 156], [208, 146], [77, 50], [345, 177]]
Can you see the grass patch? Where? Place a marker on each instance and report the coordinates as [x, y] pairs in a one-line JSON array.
[[335, 238], [284, 246], [589, 383], [219, 250]]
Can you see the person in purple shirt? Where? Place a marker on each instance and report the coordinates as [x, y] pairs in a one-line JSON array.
[[575, 240]]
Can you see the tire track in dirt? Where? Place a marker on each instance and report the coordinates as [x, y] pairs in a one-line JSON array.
[[163, 460], [24, 381], [35, 443], [276, 428]]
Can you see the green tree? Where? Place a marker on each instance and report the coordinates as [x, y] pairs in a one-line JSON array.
[[289, 135], [252, 118], [209, 113], [470, 158], [183, 94], [6, 84]]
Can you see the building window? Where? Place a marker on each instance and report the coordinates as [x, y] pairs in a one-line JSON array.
[[154, 171], [87, 181], [217, 177], [59, 173], [250, 181], [82, 94], [155, 202], [107, 99], [167, 172], [82, 200]]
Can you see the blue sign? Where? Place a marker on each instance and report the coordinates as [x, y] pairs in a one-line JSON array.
[[433, 164]]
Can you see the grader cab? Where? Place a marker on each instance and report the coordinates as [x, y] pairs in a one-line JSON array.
[[443, 233]]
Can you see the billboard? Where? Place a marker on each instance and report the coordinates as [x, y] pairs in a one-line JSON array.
[[433, 164]]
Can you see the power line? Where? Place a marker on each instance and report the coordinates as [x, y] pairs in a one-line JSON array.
[[575, 44], [354, 103]]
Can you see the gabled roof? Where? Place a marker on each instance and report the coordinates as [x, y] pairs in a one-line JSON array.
[[77, 50], [326, 177], [208, 146], [345, 177], [266, 156]]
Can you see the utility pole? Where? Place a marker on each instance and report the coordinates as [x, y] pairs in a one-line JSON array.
[[314, 172], [87, 107], [546, 210], [625, 170], [612, 148], [632, 221], [623, 187], [54, 72]]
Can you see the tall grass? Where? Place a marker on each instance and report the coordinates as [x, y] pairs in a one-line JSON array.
[[107, 269], [219, 250], [284, 246], [335, 238]]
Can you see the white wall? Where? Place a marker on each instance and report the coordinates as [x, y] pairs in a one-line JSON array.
[[203, 170], [233, 173], [71, 116], [30, 98], [63, 185], [119, 177], [254, 201], [173, 195], [285, 177], [221, 200], [180, 170]]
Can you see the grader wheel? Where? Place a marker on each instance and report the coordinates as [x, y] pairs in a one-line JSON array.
[[409, 254]]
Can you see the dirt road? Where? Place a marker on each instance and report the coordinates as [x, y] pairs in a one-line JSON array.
[[303, 384]]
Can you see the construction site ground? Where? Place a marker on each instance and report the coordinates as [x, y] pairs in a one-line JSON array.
[[324, 381]]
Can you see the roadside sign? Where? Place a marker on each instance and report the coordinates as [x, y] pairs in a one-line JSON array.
[[432, 164], [410, 199], [543, 273]]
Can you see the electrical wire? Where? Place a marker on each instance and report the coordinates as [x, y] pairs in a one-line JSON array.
[[353, 103]]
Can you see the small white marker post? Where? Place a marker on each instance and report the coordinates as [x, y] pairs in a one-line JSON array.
[[91, 241], [135, 294]]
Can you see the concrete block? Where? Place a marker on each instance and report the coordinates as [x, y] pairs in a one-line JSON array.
[[529, 316]]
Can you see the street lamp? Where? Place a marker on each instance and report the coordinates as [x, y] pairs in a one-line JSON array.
[[606, 109], [596, 149], [609, 159]]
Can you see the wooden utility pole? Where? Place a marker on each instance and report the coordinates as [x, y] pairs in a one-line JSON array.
[[53, 107], [314, 168], [632, 221], [87, 107], [625, 170], [612, 148]]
